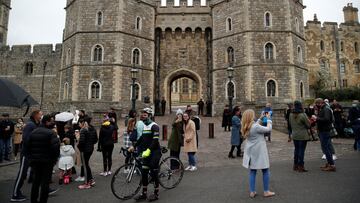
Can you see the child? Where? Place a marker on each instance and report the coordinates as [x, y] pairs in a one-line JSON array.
[[66, 161]]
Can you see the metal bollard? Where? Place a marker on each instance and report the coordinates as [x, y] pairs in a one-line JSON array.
[[164, 129], [211, 130]]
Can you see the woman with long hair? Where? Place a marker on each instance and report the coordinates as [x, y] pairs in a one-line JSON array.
[[176, 139], [255, 153], [190, 141], [300, 125]]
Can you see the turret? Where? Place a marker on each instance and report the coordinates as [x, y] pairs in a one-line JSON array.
[[351, 14]]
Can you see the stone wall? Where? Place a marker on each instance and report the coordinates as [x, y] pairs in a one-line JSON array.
[[333, 35], [13, 67]]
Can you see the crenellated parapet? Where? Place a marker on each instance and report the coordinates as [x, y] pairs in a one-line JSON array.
[[37, 50]]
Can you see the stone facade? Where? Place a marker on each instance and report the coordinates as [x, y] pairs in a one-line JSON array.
[[334, 50], [4, 20], [104, 40]]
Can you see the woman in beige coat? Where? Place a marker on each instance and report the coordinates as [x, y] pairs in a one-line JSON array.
[[190, 145], [19, 127]]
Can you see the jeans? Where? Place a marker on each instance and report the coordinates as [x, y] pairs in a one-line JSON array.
[[325, 141], [299, 153], [107, 157], [5, 149], [192, 161], [266, 179], [42, 178]]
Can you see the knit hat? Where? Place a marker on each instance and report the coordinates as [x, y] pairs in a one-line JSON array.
[[179, 111]]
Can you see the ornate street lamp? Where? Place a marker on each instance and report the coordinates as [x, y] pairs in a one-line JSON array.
[[230, 72], [134, 75]]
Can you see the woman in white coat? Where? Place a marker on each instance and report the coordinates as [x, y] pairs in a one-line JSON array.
[[255, 153]]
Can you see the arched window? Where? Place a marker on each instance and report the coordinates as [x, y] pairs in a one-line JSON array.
[[68, 57], [230, 56], [98, 53], [185, 86], [269, 51], [301, 90], [332, 45], [356, 48], [230, 89], [300, 55], [271, 88], [342, 67], [66, 91], [322, 46], [136, 57], [297, 25], [29, 68], [138, 23], [357, 66], [99, 18], [229, 24], [95, 90], [341, 46], [267, 19]]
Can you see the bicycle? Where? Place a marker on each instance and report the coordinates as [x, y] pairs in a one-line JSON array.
[[126, 181]]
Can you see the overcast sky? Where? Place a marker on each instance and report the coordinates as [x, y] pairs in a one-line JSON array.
[[42, 21]]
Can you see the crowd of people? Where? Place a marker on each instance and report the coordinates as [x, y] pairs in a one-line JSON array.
[[44, 142]]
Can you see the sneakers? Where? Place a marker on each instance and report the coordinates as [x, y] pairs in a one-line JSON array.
[[80, 179], [19, 198], [193, 168], [109, 173], [84, 186], [53, 191], [153, 197], [323, 157], [92, 182], [104, 174], [140, 197], [188, 168], [269, 194]]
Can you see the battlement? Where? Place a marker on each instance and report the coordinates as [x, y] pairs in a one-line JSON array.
[[182, 3], [36, 50]]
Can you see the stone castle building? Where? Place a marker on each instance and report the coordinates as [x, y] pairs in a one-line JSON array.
[[333, 52], [165, 41]]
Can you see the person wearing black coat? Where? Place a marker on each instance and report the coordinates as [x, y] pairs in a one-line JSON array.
[[226, 119], [106, 145], [6, 131], [42, 151], [87, 139], [354, 120]]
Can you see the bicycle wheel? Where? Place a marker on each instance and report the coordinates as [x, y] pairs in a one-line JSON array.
[[171, 172], [126, 184]]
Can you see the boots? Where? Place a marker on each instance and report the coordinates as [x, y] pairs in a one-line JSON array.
[[231, 156], [301, 169], [330, 168], [295, 167]]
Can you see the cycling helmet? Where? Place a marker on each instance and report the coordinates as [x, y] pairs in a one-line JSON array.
[[148, 111]]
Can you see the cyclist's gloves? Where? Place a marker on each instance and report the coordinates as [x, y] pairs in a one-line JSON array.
[[146, 153]]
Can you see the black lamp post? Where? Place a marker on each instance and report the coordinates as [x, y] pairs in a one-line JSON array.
[[134, 72], [230, 72]]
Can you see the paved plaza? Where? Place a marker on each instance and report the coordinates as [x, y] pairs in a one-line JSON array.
[[220, 179]]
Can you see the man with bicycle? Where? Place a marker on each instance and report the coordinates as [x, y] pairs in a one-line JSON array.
[[149, 149]]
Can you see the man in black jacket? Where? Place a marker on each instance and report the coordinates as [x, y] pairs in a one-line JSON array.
[[324, 122], [43, 150], [6, 130], [34, 122]]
